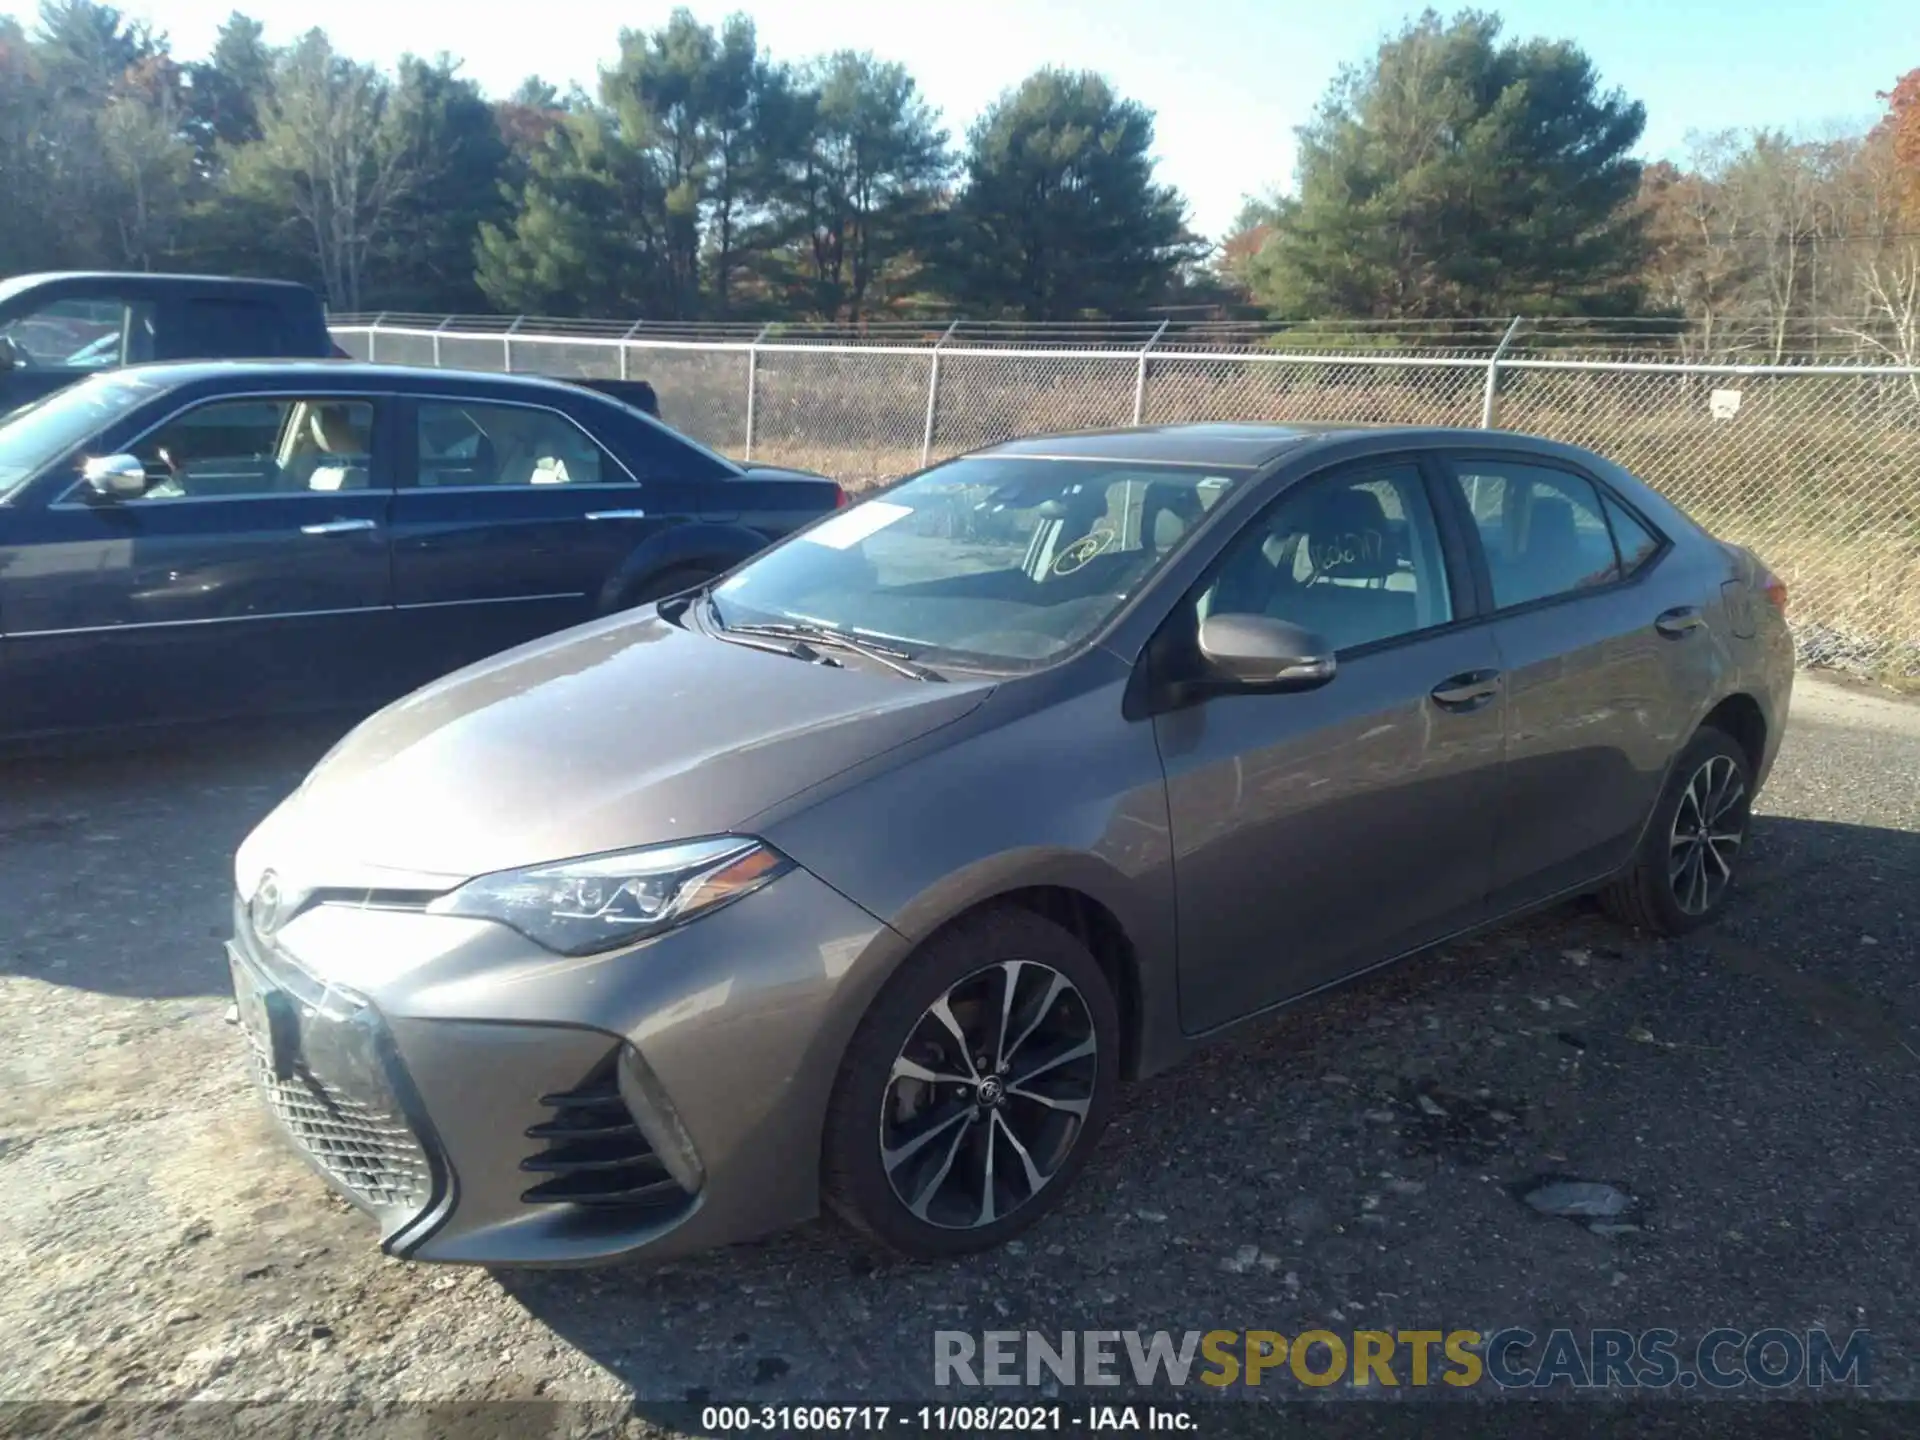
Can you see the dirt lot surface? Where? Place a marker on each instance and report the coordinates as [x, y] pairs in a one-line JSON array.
[[1349, 1164]]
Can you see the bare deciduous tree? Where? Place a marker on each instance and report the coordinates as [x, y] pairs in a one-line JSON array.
[[142, 140], [332, 154]]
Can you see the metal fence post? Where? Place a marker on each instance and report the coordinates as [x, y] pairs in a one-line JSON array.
[[445, 321], [506, 344], [632, 330], [933, 396], [1490, 400], [753, 383], [1140, 373], [373, 338]]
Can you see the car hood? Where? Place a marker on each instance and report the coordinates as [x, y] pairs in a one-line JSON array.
[[624, 732]]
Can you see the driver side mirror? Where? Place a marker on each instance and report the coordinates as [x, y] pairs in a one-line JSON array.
[[115, 477], [1259, 652]]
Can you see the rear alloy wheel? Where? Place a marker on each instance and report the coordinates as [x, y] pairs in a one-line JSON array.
[[975, 1088], [1686, 861]]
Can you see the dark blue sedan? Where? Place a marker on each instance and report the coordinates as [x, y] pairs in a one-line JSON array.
[[192, 542]]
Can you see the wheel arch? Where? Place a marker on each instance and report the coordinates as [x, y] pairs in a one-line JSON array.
[[1077, 903], [1740, 717], [710, 548]]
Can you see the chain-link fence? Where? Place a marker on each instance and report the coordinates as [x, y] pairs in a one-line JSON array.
[[1817, 468]]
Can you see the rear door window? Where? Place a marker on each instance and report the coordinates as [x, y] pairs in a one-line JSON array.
[[1635, 542], [1543, 530], [241, 329], [463, 445]]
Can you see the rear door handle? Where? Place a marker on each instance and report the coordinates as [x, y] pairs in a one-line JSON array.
[[616, 515], [1468, 691], [339, 527], [1681, 620]]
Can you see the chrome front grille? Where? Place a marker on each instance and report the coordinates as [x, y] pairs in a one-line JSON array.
[[367, 1149], [339, 1098], [592, 1153]]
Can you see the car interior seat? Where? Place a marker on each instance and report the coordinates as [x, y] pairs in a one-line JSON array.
[[343, 463], [1551, 554], [1327, 575], [1350, 552], [1167, 513]]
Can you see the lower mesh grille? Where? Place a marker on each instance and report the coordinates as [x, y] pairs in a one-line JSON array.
[[368, 1150], [592, 1153]]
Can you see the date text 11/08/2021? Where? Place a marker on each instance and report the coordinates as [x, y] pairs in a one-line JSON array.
[[942, 1419]]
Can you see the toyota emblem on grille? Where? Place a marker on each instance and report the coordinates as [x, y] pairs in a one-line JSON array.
[[264, 909]]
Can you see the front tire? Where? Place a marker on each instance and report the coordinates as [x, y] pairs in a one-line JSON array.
[[975, 1088], [1685, 865]]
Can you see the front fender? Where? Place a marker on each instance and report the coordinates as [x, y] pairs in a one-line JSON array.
[[707, 546], [1035, 788]]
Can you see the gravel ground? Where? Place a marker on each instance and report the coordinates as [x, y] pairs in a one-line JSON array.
[[1349, 1164]]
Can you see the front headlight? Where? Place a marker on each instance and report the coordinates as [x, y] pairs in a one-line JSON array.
[[600, 902]]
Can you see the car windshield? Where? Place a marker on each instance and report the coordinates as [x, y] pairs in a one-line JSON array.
[[998, 561], [34, 436]]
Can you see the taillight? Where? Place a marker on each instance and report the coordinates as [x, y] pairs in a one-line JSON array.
[[841, 499], [1772, 586]]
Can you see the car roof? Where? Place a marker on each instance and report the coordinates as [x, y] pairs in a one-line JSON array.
[[137, 281], [356, 373], [1224, 443]]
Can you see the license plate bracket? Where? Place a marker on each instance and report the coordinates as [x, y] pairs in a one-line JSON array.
[[268, 1016]]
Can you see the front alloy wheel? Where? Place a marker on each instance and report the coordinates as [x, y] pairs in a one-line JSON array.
[[988, 1095], [975, 1087]]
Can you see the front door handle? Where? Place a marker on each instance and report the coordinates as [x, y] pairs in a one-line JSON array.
[[1468, 691], [616, 514], [339, 527], [1681, 620]]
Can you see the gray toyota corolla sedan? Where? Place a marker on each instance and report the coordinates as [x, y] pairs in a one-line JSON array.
[[867, 873]]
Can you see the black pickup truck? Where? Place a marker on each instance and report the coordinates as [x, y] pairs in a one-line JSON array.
[[57, 328]]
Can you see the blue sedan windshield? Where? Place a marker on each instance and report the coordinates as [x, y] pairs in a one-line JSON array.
[[36, 435], [1003, 561]]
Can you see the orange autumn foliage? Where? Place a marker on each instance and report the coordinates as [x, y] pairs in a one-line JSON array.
[[1900, 128]]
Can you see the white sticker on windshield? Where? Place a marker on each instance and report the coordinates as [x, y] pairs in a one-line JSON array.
[[850, 527]]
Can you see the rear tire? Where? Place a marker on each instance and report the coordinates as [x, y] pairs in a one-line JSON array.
[[933, 1146], [1684, 869]]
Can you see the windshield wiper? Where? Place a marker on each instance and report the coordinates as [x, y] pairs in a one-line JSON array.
[[897, 661], [792, 646]]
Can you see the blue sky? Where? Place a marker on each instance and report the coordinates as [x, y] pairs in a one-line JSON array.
[[1229, 79]]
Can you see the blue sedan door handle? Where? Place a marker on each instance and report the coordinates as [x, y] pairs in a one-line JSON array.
[[1467, 691], [339, 527], [616, 515], [1679, 621]]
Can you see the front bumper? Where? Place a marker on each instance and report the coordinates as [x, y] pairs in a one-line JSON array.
[[325, 1064], [489, 1102]]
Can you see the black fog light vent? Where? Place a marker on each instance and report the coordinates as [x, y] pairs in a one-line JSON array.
[[594, 1154]]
